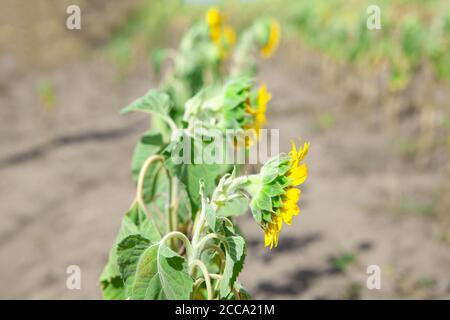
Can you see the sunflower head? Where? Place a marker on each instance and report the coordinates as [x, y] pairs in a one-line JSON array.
[[213, 17], [268, 35], [228, 40], [223, 36], [256, 109], [274, 193], [221, 107]]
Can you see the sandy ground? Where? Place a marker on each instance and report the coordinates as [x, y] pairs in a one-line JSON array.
[[61, 205]]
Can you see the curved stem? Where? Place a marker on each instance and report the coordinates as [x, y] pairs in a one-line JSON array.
[[174, 203], [217, 249], [198, 282], [180, 236], [172, 125], [215, 276], [202, 267], [218, 278], [208, 237], [141, 180]]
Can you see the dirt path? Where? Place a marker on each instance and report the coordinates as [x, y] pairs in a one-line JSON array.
[[62, 206]]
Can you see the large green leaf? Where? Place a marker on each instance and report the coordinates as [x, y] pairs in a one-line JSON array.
[[145, 278], [129, 251], [175, 282], [150, 144], [155, 102], [190, 174], [234, 261], [134, 222], [153, 272]]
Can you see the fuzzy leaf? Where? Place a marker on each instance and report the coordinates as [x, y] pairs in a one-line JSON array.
[[235, 207], [263, 201], [155, 101], [273, 189], [129, 251], [161, 274], [150, 144], [234, 262], [133, 223], [210, 216]]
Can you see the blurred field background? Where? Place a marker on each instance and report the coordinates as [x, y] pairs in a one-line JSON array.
[[375, 105]]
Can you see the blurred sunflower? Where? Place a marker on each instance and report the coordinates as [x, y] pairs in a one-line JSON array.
[[273, 39], [223, 36], [258, 114], [214, 21]]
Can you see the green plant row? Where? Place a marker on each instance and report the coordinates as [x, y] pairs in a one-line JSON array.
[[412, 32]]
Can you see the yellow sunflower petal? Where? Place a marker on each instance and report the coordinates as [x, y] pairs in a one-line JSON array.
[[264, 97], [298, 174], [267, 238], [294, 154], [293, 194], [287, 217], [303, 151], [275, 240]]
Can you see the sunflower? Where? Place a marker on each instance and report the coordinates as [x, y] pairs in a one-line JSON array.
[[223, 36], [272, 40], [214, 21], [258, 114], [274, 193]]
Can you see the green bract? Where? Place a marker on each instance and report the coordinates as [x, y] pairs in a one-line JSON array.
[[267, 188]]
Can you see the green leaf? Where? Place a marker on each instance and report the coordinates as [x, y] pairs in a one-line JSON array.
[[190, 175], [146, 284], [150, 144], [155, 101], [210, 216], [234, 261], [273, 189], [264, 201], [256, 212], [129, 251], [138, 223], [235, 207], [184, 205], [161, 274], [134, 222], [113, 289]]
